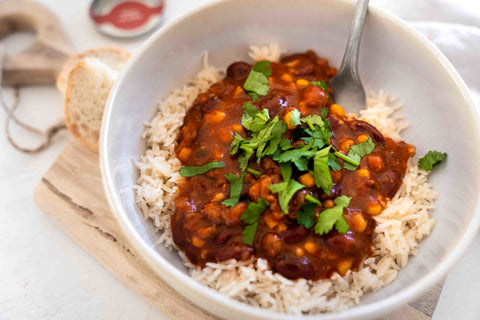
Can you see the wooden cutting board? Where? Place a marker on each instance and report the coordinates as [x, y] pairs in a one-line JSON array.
[[71, 194]]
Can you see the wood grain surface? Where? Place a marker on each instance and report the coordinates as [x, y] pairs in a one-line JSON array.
[[71, 194]]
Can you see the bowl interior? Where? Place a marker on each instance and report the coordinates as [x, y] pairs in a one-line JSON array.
[[393, 58]]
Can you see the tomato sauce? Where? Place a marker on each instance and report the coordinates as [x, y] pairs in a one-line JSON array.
[[208, 231]]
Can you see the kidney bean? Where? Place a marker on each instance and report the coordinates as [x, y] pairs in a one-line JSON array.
[[239, 70], [295, 267], [295, 234]]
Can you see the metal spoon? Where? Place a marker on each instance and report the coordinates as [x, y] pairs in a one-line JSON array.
[[346, 84]]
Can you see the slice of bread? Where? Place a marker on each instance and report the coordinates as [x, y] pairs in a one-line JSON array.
[[113, 57], [87, 88]]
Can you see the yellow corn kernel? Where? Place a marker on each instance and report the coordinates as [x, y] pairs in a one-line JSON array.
[[215, 116], [362, 172], [218, 154], [362, 138], [374, 209], [293, 63], [346, 144], [328, 204], [237, 128], [281, 227], [359, 224], [310, 247], [337, 109], [218, 197], [287, 77], [299, 252], [302, 82], [238, 91], [197, 242], [343, 266], [287, 120], [307, 180], [271, 223], [184, 154]]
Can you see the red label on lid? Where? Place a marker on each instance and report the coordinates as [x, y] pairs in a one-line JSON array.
[[128, 15]]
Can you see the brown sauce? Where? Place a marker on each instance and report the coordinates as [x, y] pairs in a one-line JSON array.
[[206, 230]]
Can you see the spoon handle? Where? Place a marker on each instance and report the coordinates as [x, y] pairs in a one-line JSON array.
[[350, 57]]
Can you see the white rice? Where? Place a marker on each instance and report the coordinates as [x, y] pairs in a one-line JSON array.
[[400, 227]]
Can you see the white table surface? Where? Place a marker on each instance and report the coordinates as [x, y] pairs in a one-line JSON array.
[[46, 275]]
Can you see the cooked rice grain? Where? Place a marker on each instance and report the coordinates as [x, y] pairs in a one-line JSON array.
[[400, 227]]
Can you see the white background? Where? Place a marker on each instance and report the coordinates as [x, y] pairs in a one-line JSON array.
[[46, 275]]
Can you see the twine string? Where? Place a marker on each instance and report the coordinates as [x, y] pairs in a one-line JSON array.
[[47, 134]]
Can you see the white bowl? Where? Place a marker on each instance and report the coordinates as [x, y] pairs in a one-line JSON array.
[[394, 57]]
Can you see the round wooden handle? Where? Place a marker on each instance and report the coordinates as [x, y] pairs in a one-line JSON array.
[[43, 60]]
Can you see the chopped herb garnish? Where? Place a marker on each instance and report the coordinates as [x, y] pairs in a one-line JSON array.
[[329, 218], [294, 117], [256, 84], [196, 170], [254, 172], [323, 85], [235, 189], [306, 215], [356, 153], [321, 173], [251, 216], [285, 190], [311, 199], [254, 119], [431, 159], [333, 163]]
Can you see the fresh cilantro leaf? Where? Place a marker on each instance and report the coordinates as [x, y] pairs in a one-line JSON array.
[[254, 172], [311, 199], [256, 84], [294, 154], [306, 215], [251, 216], [286, 171], [248, 234], [285, 190], [333, 217], [197, 170], [356, 152], [321, 173], [294, 117], [313, 120], [332, 162], [277, 132], [301, 163], [324, 113], [431, 159], [254, 211], [237, 141], [323, 85], [285, 144], [254, 119], [353, 163], [235, 189]]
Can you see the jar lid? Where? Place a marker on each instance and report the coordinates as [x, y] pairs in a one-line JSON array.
[[126, 18]]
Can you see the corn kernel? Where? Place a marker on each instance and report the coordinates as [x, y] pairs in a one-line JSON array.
[[374, 209], [271, 223], [362, 138], [359, 224], [218, 197], [302, 82], [307, 180], [215, 116], [362, 172], [238, 91], [328, 204], [287, 77], [299, 252], [310, 247], [344, 266], [184, 154], [281, 227], [197, 242], [337, 109], [237, 128], [346, 144]]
